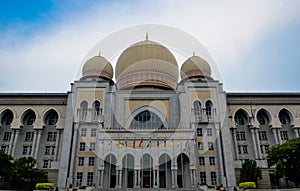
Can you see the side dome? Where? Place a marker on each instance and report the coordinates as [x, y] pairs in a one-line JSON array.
[[97, 67], [146, 63], [195, 67]]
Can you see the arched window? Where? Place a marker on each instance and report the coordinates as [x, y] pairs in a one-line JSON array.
[[96, 108], [29, 117], [285, 117], [208, 108], [83, 110], [7, 117], [263, 117], [197, 108], [146, 120], [51, 117], [241, 117]]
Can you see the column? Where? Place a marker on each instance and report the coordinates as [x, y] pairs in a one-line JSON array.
[[139, 178], [12, 137], [73, 150], [101, 178], [134, 178], [274, 131], [194, 175], [296, 132], [254, 142], [56, 145], [37, 144], [279, 136], [173, 178], [15, 143], [157, 178], [154, 178], [120, 179], [117, 178], [175, 175], [258, 143], [235, 143], [191, 175], [33, 143]]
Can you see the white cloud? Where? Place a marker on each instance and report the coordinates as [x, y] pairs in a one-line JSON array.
[[51, 58]]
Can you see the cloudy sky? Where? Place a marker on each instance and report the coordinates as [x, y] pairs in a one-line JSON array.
[[255, 44]]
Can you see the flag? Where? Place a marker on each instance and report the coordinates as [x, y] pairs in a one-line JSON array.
[[157, 143], [120, 144], [133, 144], [195, 140], [172, 143], [126, 143], [165, 143], [187, 143], [141, 143], [178, 144], [149, 143]]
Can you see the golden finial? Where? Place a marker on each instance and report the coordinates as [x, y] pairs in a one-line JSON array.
[[146, 35], [193, 53]]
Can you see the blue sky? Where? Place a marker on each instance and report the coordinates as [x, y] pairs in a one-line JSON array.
[[255, 44]]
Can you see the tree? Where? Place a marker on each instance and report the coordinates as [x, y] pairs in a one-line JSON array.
[[25, 175], [6, 162], [286, 158], [250, 172]]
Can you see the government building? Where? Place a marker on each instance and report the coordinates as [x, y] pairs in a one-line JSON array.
[[147, 124]]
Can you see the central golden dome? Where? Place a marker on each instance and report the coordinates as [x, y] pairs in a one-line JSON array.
[[146, 63]]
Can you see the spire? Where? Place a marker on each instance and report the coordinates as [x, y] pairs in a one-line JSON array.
[[193, 53], [146, 35], [99, 53]]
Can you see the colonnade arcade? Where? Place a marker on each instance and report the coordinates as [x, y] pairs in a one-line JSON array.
[[147, 171]]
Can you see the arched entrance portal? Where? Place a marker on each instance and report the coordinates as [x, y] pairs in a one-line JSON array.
[[146, 171], [110, 171], [165, 175], [128, 171], [183, 173]]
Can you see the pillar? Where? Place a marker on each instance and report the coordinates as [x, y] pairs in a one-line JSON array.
[[56, 145], [254, 142], [274, 131], [135, 178], [296, 132], [235, 143], [37, 144], [33, 143], [101, 178], [74, 151], [120, 179], [12, 137], [139, 178], [15, 143], [258, 144], [157, 178]]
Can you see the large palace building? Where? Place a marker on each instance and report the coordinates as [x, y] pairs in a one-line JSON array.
[[155, 126]]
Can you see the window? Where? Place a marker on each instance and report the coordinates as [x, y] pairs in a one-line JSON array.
[[90, 178], [91, 161], [208, 108], [202, 178], [209, 132], [92, 146], [7, 136], [47, 164], [201, 161], [262, 135], [29, 136], [239, 149], [29, 117], [245, 150], [79, 177], [262, 148], [96, 109], [284, 117], [263, 117], [197, 109], [240, 117], [284, 135], [80, 161], [240, 136], [200, 146], [212, 161], [211, 146], [213, 177], [199, 132], [50, 150], [146, 120], [27, 150], [51, 117], [93, 132], [4, 148], [52, 136], [83, 110], [267, 148], [81, 146], [83, 132]]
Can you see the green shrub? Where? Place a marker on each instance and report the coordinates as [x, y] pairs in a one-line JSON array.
[[44, 186], [247, 185]]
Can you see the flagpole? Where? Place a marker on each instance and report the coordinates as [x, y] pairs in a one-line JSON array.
[[182, 174], [109, 168]]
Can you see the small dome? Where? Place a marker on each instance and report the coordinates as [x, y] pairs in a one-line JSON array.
[[97, 67], [146, 63], [195, 67]]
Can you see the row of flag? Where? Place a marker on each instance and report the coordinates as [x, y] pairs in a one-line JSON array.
[[150, 143]]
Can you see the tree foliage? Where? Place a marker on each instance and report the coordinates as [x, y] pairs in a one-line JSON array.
[[21, 173], [286, 158], [250, 172]]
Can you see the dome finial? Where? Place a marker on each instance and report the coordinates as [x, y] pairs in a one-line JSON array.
[[99, 53], [146, 35], [193, 53]]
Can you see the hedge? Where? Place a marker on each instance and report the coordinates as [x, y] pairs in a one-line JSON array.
[[247, 185], [44, 186]]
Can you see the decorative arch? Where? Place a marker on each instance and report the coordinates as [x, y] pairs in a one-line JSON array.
[[208, 107], [128, 171], [147, 171], [110, 175], [96, 108], [285, 117], [153, 113], [197, 108], [263, 117], [51, 117], [83, 109], [183, 172], [165, 173], [6, 117], [241, 117], [28, 117]]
